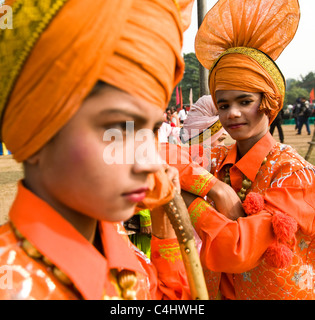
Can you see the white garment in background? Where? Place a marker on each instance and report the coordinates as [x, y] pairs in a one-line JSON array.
[[164, 132], [182, 115]]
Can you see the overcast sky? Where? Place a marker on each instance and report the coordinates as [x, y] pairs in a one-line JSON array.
[[299, 56]]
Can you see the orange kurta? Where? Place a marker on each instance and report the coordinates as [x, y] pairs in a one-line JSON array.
[[232, 252], [92, 273]]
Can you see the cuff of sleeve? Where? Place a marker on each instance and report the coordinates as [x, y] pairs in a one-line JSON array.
[[201, 184], [208, 185], [201, 211], [196, 210], [165, 251]]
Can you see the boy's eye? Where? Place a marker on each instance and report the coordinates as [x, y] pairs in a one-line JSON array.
[[120, 126], [246, 102], [223, 106], [123, 126]]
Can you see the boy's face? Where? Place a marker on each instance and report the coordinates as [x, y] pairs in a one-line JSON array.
[[219, 141], [240, 116], [99, 161]]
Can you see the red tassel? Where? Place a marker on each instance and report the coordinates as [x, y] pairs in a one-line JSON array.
[[253, 203], [284, 226], [278, 256]]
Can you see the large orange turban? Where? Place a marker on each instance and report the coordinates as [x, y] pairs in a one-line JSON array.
[[58, 49], [239, 41]]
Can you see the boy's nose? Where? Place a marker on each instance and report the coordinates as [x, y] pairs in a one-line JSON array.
[[234, 112], [147, 158]]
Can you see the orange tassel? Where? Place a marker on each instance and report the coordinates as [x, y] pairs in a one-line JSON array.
[[284, 227], [253, 203], [278, 256]]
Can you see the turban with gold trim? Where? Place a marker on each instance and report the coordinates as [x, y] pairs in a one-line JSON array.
[[58, 49], [239, 41]]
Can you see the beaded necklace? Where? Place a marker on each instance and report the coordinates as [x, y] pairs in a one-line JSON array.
[[126, 279], [246, 183]]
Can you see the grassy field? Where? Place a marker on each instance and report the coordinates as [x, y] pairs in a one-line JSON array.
[[11, 171]]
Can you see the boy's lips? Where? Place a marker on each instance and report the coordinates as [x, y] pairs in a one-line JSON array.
[[236, 125], [136, 195]]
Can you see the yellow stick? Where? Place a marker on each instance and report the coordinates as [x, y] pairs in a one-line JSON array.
[[178, 214]]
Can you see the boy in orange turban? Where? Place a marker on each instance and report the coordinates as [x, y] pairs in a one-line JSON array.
[[73, 77], [268, 254]]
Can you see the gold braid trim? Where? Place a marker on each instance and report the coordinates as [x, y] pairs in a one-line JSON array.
[[267, 63], [206, 134], [170, 252], [30, 18]]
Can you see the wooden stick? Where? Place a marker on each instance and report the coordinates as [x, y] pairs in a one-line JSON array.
[[310, 148], [179, 217]]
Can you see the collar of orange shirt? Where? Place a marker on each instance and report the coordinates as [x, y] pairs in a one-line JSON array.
[[251, 162], [65, 247]]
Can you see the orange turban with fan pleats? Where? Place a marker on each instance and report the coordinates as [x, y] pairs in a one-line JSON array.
[[239, 41], [59, 49]]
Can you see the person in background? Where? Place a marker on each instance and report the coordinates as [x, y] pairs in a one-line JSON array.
[[277, 123], [202, 125], [303, 116], [167, 115], [139, 229], [182, 114], [174, 117], [174, 137], [295, 112], [164, 132]]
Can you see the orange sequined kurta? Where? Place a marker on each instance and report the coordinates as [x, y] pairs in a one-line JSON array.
[[232, 252], [92, 273]]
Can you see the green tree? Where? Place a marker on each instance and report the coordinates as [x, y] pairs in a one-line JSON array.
[[294, 93], [308, 82], [190, 80], [299, 88]]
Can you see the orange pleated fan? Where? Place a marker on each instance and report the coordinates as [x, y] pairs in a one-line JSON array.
[[266, 25]]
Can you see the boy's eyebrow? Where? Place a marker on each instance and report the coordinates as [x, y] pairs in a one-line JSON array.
[[242, 96], [123, 112], [221, 100], [130, 114], [245, 95]]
